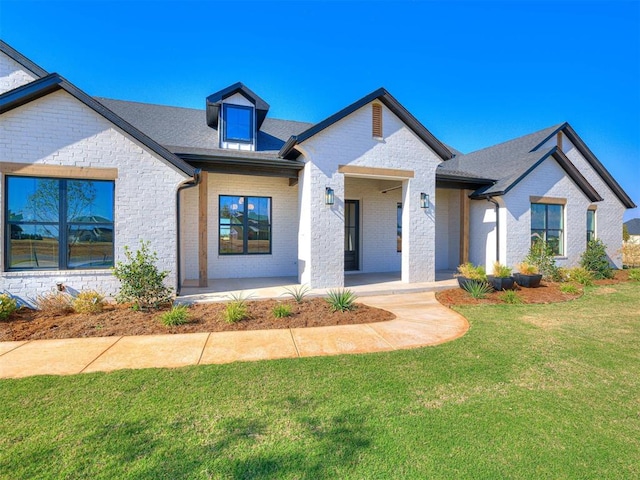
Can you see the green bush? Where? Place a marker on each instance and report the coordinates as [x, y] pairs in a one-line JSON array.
[[595, 259], [141, 281], [298, 293], [541, 255], [569, 288], [470, 271], [178, 315], [54, 303], [581, 275], [281, 310], [341, 300], [501, 271], [634, 274], [88, 301], [511, 297], [8, 305], [235, 312], [478, 289]]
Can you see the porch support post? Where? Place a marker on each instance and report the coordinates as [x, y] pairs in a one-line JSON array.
[[418, 229], [464, 225], [203, 257]]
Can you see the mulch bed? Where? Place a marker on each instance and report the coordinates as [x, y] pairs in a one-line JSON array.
[[117, 320], [547, 292]]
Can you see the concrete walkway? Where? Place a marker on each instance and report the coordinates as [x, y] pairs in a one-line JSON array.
[[421, 321]]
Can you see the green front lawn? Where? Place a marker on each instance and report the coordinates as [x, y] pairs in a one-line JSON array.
[[541, 391]]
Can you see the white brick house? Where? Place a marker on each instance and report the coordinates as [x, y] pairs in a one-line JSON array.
[[228, 192]]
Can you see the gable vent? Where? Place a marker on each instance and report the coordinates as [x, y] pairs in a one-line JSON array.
[[376, 120]]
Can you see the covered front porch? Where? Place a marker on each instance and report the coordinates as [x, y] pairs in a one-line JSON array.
[[362, 284]]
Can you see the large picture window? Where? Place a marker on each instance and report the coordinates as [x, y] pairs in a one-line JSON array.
[[238, 123], [58, 223], [547, 225], [245, 225]]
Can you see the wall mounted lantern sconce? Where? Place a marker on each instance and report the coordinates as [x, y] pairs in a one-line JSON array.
[[328, 196], [424, 200]]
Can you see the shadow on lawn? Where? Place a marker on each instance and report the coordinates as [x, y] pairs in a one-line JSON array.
[[314, 445], [320, 445]]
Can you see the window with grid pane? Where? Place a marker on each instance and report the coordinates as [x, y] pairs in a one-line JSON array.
[[245, 225]]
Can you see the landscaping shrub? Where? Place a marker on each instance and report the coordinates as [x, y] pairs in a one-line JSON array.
[[634, 274], [178, 315], [527, 268], [88, 301], [541, 255], [511, 297], [281, 310], [341, 300], [141, 281], [595, 259], [54, 303], [478, 289], [501, 271], [631, 254], [581, 275], [470, 271], [8, 305], [569, 288], [236, 310], [298, 293]]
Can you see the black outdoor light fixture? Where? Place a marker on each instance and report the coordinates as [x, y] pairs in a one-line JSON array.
[[424, 200], [328, 196]]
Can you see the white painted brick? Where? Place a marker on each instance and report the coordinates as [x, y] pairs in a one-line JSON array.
[[69, 133], [12, 74]]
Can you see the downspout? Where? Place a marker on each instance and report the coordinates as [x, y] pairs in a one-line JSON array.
[[194, 182], [490, 199]]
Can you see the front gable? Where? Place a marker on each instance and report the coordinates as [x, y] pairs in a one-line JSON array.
[[353, 141]]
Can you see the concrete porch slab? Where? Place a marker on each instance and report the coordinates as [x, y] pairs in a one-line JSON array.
[[151, 351]]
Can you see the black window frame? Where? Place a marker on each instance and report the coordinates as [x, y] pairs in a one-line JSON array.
[[591, 234], [245, 225], [561, 230], [62, 225], [399, 227], [225, 137]]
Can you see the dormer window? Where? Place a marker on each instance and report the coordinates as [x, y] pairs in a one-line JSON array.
[[238, 123]]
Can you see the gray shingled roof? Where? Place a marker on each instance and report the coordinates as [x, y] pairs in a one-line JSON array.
[[504, 163], [633, 226], [185, 130]]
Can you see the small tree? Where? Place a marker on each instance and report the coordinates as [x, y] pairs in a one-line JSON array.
[[541, 255], [141, 281], [595, 260], [625, 233]]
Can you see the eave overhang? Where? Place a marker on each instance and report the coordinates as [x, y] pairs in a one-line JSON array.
[[244, 166]]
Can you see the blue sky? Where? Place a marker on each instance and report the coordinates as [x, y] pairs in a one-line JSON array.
[[474, 73]]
